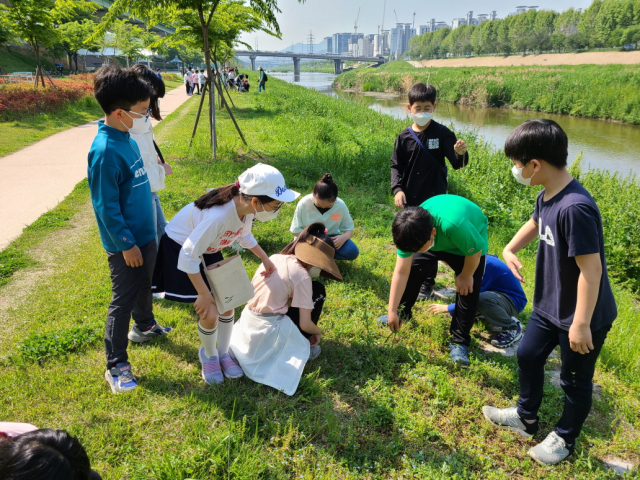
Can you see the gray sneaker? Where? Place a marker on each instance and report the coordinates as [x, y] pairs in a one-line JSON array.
[[315, 352], [459, 354], [508, 419], [551, 450], [141, 336]]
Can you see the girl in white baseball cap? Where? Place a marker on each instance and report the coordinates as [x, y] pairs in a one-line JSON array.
[[202, 229]]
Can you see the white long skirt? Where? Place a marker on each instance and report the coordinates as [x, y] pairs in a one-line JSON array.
[[270, 349]]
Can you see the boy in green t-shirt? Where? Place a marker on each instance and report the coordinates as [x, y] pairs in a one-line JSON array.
[[447, 228]]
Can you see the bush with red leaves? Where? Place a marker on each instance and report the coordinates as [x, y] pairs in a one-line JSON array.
[[23, 99]]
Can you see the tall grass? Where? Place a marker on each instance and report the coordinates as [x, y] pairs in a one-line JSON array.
[[597, 91]]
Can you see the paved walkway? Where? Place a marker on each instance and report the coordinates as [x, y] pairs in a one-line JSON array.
[[35, 179]]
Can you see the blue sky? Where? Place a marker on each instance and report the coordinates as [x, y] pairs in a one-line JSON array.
[[326, 17]]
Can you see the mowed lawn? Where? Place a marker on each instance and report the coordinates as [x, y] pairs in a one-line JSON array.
[[373, 405]]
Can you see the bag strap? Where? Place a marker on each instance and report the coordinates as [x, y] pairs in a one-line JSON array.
[[158, 152], [429, 156]]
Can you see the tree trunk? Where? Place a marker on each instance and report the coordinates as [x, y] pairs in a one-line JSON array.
[[76, 59], [207, 60], [36, 48]]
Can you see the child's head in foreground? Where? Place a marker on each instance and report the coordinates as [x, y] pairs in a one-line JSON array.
[[123, 95], [413, 230], [422, 98], [537, 148], [44, 455]]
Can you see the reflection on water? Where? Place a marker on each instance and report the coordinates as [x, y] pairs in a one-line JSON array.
[[606, 145]]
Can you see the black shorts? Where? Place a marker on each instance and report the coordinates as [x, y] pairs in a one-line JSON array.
[[175, 283]]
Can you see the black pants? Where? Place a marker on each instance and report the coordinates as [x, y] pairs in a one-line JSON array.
[[131, 287], [576, 374], [188, 87], [196, 87], [464, 314], [319, 296]]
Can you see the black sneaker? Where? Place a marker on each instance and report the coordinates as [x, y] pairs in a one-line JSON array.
[[506, 338], [426, 292]]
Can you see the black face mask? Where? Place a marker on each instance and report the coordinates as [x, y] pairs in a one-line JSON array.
[[323, 210]]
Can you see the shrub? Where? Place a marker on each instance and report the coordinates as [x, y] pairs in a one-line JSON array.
[[19, 100]]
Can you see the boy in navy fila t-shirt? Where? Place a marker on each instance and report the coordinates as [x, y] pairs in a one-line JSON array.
[[573, 305]]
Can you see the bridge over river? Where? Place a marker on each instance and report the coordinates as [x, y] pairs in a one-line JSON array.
[[338, 60]]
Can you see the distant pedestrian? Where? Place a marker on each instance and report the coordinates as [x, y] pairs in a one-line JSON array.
[[195, 78], [262, 80], [203, 80], [187, 82], [158, 73]]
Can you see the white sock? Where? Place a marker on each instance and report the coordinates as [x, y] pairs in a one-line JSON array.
[[208, 339], [225, 326]]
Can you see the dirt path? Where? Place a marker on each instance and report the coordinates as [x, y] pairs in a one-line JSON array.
[[35, 179], [594, 58]]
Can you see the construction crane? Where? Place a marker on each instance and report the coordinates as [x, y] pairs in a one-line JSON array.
[[355, 37], [394, 12], [384, 10]]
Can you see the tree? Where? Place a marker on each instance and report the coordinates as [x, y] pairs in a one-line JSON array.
[[36, 21], [75, 36], [127, 39], [205, 10], [6, 32]]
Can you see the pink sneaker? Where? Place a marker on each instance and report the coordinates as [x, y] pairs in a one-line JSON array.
[[230, 367], [211, 372]]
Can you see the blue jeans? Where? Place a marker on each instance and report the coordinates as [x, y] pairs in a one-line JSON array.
[[261, 87], [576, 374], [348, 251], [158, 215]]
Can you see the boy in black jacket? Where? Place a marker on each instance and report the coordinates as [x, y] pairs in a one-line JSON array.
[[418, 169]]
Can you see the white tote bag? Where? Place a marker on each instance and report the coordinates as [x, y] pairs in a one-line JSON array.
[[228, 280]]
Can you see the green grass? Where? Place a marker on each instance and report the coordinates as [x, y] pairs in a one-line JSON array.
[[17, 134], [374, 405], [597, 91], [20, 60]]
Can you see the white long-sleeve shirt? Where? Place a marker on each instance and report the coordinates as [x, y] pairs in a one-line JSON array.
[[213, 229], [155, 171]]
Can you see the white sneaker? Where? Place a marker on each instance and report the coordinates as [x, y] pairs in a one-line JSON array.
[[315, 352], [551, 450], [508, 419]]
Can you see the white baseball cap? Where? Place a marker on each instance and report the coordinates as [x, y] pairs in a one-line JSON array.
[[266, 180]]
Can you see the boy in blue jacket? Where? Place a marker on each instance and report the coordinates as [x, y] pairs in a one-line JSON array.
[[501, 300], [122, 203]]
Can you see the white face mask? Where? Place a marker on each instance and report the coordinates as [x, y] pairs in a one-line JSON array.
[[315, 272], [140, 125], [517, 174], [422, 118], [265, 216]]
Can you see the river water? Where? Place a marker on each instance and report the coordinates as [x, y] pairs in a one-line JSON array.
[[604, 145]]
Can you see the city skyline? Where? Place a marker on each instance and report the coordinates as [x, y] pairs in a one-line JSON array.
[[329, 17]]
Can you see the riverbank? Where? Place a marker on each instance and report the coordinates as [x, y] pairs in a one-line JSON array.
[[371, 406], [579, 58], [597, 91]]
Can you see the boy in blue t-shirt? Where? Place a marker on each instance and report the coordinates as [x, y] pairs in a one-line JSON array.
[[573, 305], [122, 203], [501, 299]]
